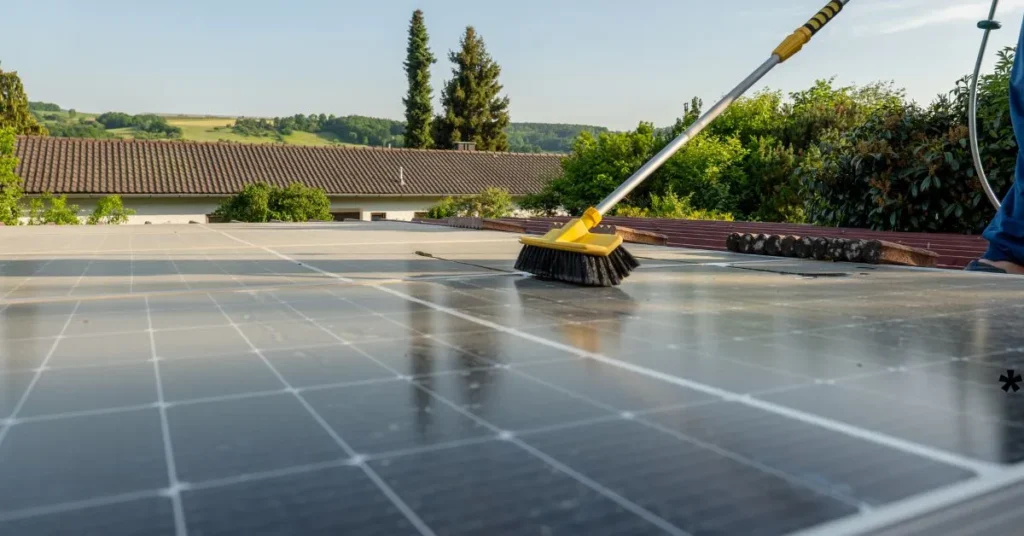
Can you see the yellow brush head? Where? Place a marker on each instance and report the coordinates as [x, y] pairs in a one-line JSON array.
[[575, 236]]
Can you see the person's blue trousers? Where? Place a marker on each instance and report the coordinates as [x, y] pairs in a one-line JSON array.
[[1005, 234]]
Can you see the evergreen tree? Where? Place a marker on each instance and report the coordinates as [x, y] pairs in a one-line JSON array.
[[473, 110], [419, 111], [14, 112]]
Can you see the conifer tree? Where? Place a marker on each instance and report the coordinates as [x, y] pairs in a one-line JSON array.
[[473, 109], [419, 111]]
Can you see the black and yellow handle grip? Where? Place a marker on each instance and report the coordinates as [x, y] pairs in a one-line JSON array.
[[796, 41]]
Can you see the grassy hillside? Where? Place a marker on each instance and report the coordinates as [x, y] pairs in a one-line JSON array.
[[354, 130], [193, 128], [219, 129]]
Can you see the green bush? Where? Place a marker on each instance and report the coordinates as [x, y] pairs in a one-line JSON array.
[[491, 203], [110, 210], [770, 190], [252, 204], [671, 206], [298, 203], [10, 184], [445, 208], [545, 203], [49, 209], [598, 165], [259, 202], [709, 169], [908, 168]]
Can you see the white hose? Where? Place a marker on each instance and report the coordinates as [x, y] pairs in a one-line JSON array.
[[972, 111]]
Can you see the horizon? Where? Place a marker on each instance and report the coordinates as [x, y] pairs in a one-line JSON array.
[[259, 60]]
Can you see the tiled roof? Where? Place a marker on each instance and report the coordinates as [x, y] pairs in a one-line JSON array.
[[86, 166]]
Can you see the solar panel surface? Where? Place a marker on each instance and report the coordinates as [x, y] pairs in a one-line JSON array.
[[326, 379]]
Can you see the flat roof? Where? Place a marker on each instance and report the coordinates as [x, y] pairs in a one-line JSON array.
[[393, 378]]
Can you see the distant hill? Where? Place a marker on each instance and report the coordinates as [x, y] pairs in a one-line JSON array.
[[314, 129], [546, 137]]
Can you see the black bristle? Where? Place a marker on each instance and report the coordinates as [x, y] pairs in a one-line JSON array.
[[577, 268]]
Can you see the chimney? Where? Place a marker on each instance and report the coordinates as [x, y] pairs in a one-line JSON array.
[[465, 146], [401, 176]]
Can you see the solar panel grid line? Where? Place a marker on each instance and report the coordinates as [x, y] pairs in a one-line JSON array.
[[313, 388], [583, 479], [384, 488], [982, 468], [356, 383], [875, 437], [276, 473], [177, 270], [304, 468], [638, 417], [71, 506], [12, 419], [84, 413], [174, 485], [284, 257], [95, 255], [625, 503], [27, 279]]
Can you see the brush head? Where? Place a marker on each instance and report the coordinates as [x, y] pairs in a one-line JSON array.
[[577, 268]]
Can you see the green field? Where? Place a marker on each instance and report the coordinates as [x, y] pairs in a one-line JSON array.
[[211, 129], [63, 114], [219, 129]]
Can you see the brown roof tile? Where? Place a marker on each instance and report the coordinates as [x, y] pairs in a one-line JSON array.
[[86, 166]]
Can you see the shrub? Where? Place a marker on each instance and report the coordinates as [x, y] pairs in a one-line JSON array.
[[259, 202], [445, 208], [770, 190], [50, 209], [907, 168], [491, 203], [299, 203], [542, 204], [709, 169], [671, 206], [252, 204], [110, 210], [597, 166]]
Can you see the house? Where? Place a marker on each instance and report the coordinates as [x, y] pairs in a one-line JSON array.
[[178, 182]]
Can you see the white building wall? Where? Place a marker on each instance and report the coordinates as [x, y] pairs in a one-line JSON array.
[[161, 210]]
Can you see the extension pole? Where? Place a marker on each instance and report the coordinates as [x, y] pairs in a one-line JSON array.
[[972, 111], [790, 46]]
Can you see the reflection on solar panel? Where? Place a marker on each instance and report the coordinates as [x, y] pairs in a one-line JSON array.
[[325, 379]]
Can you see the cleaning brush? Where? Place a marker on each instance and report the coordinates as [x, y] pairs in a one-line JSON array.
[[575, 255]]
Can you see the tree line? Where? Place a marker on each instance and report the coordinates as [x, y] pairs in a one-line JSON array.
[[353, 129], [150, 123]]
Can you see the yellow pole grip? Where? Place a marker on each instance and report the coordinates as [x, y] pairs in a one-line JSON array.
[[796, 41]]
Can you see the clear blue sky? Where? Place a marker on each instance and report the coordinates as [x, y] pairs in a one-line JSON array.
[[602, 62]]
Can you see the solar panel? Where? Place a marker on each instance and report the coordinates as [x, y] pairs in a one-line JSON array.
[[290, 379]]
